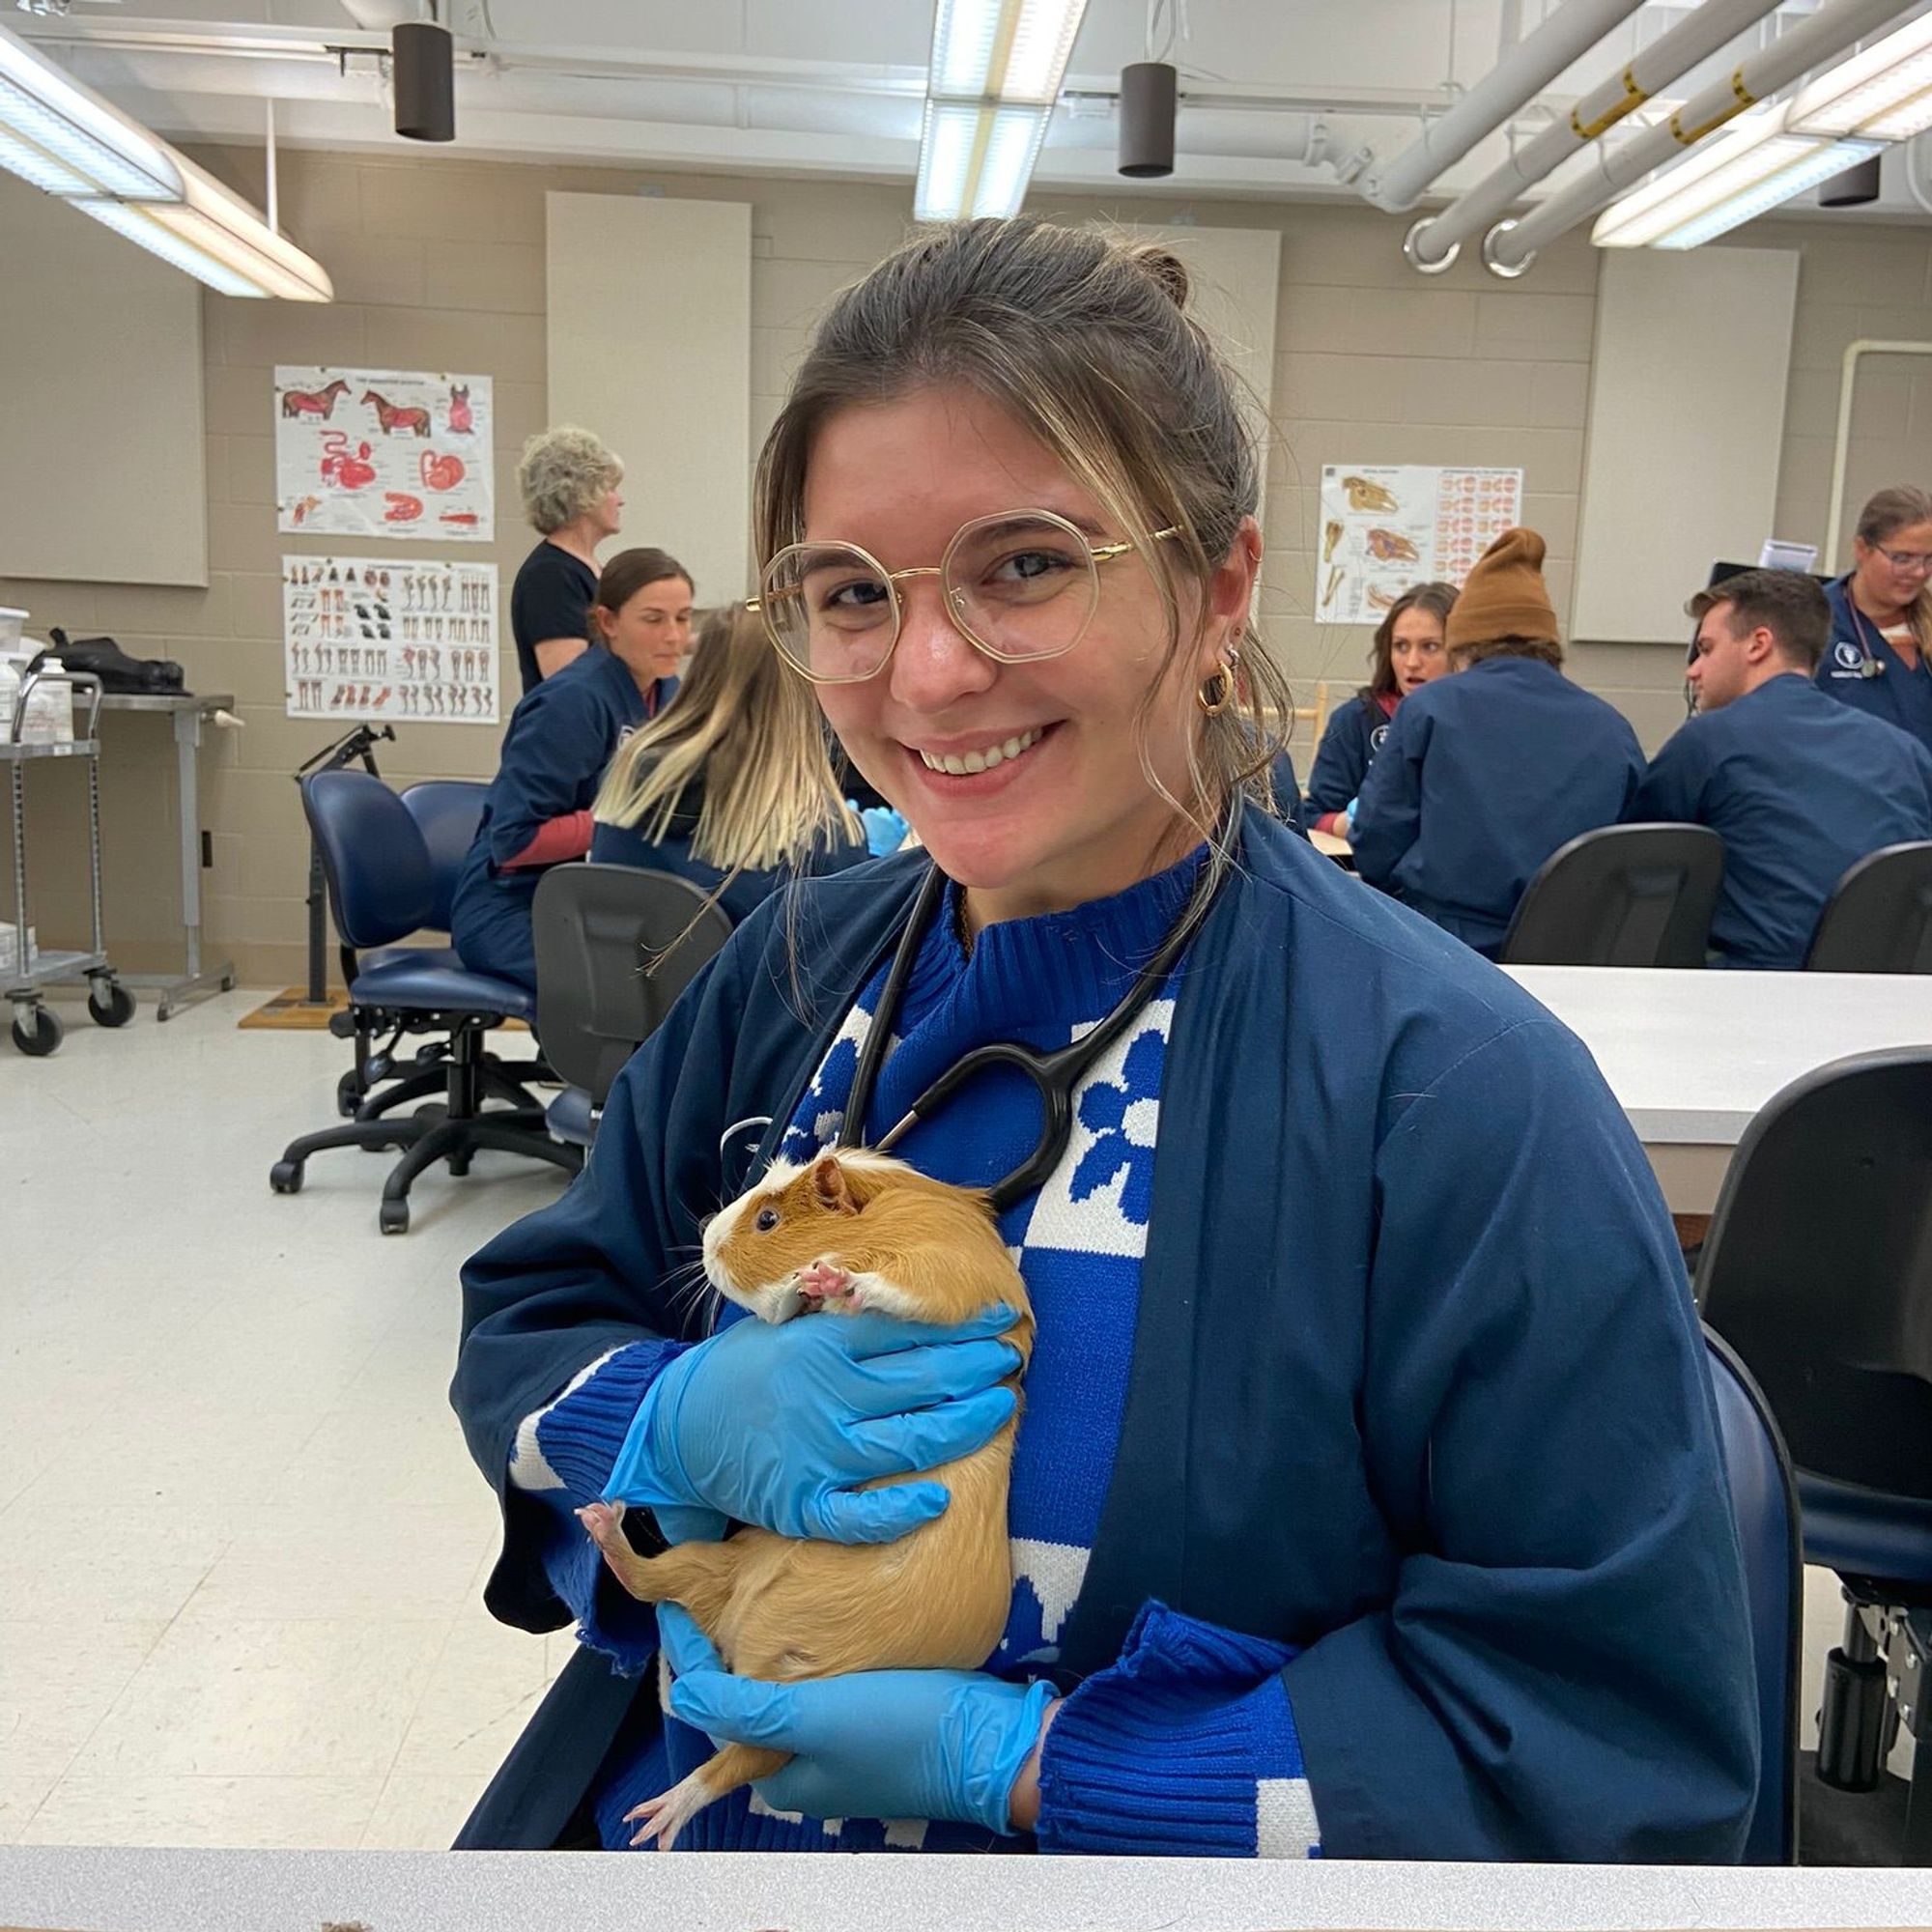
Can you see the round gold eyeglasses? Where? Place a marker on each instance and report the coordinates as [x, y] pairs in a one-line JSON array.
[[1018, 587]]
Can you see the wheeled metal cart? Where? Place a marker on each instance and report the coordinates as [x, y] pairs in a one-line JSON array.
[[37, 1028]]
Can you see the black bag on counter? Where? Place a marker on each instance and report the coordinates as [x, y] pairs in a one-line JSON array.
[[118, 672]]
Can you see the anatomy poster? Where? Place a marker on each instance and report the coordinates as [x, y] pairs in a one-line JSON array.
[[370, 636], [378, 453], [1387, 525]]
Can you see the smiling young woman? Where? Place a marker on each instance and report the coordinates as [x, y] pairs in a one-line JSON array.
[[1366, 1499]]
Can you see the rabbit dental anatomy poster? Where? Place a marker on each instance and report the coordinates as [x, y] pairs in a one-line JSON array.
[[1387, 525], [372, 637], [381, 453]]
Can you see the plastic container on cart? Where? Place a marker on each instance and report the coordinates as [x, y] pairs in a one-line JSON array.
[[49, 707], [10, 696], [11, 623]]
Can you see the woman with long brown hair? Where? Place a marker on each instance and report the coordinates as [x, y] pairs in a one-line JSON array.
[[1880, 653], [732, 786], [1367, 1497], [1405, 652]]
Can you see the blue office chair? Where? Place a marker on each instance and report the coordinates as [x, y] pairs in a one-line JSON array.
[[381, 886], [615, 946], [1818, 1271], [1764, 1503], [447, 812]]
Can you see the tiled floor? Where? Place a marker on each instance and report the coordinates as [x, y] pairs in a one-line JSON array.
[[241, 1544]]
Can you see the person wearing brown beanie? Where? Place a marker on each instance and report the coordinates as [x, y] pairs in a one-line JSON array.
[[1485, 774]]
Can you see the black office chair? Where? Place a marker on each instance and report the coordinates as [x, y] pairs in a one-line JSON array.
[[1879, 917], [1621, 896], [381, 888], [1764, 1504], [615, 946], [1818, 1270]]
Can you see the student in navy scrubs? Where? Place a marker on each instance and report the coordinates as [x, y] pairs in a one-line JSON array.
[[1484, 775], [1367, 1498], [732, 784], [1882, 615], [1407, 651], [1801, 788], [561, 736], [569, 485]]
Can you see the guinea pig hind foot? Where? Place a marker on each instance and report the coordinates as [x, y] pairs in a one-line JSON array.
[[664, 1816]]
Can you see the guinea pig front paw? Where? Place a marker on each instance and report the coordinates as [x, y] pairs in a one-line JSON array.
[[824, 1281]]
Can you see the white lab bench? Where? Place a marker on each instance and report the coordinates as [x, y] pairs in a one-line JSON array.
[[118, 1891], [1693, 1055]]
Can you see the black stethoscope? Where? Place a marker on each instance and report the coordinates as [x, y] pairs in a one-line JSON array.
[[1055, 1076]]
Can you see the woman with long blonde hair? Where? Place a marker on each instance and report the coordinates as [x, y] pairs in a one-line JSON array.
[[732, 786], [1880, 654]]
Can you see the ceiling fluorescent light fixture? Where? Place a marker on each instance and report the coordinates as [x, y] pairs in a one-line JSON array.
[[70, 143], [70, 133], [995, 74], [1744, 173], [1884, 94], [219, 239]]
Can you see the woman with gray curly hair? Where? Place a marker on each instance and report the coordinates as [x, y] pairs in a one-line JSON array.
[[568, 480]]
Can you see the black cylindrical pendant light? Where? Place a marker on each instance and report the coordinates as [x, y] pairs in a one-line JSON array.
[[1150, 93], [1857, 185], [422, 68]]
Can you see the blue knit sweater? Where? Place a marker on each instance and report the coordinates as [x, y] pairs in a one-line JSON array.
[[1188, 1745]]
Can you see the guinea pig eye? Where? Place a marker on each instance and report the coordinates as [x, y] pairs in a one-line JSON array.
[[768, 1219]]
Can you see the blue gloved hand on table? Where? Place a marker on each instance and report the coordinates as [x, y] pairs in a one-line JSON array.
[[878, 1743], [1348, 811], [777, 1424]]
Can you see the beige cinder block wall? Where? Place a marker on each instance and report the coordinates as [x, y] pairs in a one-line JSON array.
[[438, 263]]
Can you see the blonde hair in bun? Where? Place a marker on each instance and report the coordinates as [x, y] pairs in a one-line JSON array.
[[1167, 269]]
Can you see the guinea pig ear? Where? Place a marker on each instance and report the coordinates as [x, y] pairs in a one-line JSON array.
[[830, 1188]]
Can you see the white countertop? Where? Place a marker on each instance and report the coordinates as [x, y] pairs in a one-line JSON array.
[[1693, 1055], [117, 1891]]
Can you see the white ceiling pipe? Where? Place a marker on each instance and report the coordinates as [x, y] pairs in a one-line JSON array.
[[1509, 246], [1517, 79], [1436, 241]]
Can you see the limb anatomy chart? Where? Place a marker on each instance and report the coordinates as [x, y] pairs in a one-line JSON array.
[[377, 637], [383, 453], [1384, 526]]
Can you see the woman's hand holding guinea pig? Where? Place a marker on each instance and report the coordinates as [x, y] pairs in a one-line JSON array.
[[877, 1744], [778, 1424]]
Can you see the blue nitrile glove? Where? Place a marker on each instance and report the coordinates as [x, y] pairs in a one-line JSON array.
[[878, 1743], [777, 1424], [885, 830], [1348, 811]]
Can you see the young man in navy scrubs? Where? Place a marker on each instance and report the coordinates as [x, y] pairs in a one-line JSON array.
[[1485, 774], [1800, 786]]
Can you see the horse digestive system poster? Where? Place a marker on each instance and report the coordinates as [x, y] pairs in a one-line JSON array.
[[1386, 526], [383, 453], [390, 637]]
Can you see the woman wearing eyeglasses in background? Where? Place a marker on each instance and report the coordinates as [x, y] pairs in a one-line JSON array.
[[1366, 1498], [1880, 654]]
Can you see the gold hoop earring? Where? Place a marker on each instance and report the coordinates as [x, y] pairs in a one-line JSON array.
[[1222, 685]]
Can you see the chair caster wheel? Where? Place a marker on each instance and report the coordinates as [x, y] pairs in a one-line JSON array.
[[116, 1009], [393, 1217], [348, 1096], [286, 1177], [458, 1163]]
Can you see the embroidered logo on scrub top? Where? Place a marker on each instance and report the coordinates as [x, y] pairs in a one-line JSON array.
[[1847, 654], [1377, 736]]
